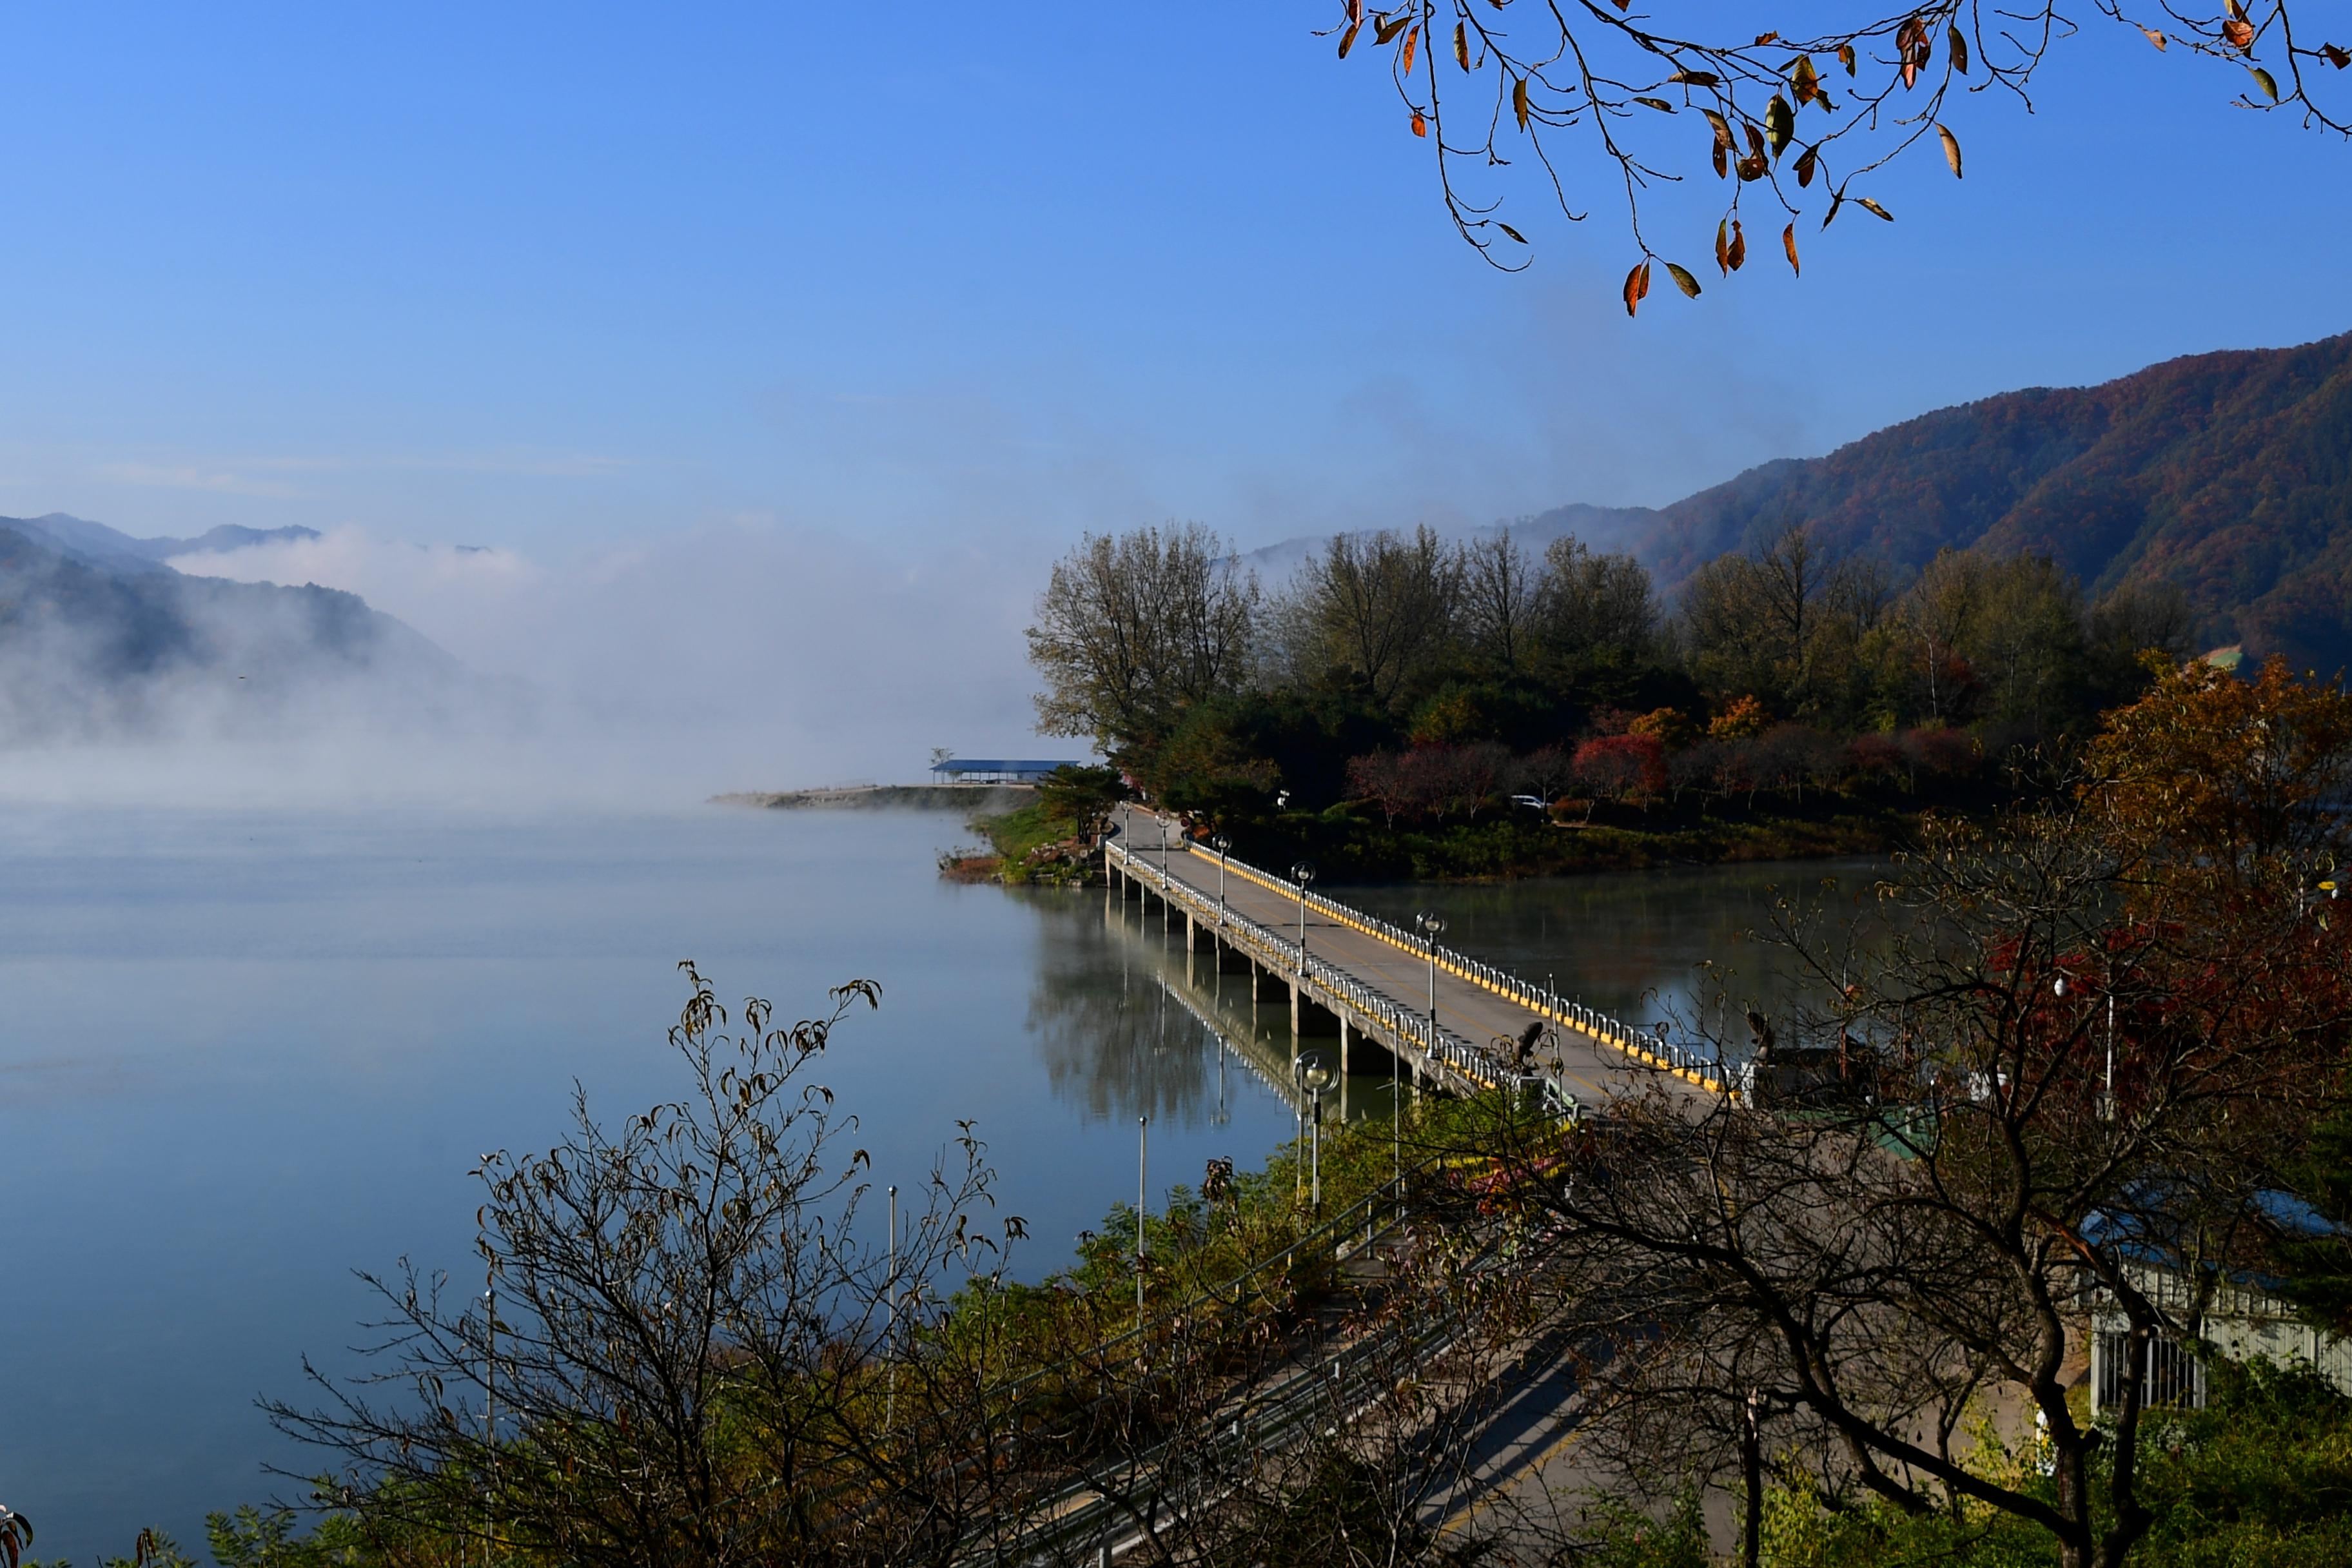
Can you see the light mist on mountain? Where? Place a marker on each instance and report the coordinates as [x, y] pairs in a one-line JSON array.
[[653, 673]]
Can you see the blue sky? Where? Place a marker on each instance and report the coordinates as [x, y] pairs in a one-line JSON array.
[[550, 277]]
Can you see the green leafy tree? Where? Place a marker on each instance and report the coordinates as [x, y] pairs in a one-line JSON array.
[[1079, 799]]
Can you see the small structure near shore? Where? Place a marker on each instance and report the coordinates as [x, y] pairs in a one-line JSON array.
[[992, 771]]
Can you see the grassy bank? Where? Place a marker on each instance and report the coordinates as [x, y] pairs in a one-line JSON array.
[[1025, 847]]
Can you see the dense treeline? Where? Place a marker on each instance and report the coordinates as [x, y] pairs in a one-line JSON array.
[[1421, 685]]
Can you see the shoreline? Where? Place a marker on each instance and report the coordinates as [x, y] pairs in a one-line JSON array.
[[885, 797]]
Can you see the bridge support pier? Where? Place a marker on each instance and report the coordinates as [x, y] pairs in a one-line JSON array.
[[1200, 935], [1362, 1053], [1309, 1016]]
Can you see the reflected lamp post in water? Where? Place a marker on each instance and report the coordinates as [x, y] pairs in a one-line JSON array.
[[1304, 874], [1298, 1137], [1316, 1076]]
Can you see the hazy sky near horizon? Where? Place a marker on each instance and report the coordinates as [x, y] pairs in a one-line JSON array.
[[571, 281]]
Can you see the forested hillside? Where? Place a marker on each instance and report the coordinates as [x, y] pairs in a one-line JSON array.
[[2228, 475], [98, 637]]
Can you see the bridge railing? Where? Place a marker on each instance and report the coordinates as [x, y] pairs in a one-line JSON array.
[[1464, 1055], [1654, 1049]]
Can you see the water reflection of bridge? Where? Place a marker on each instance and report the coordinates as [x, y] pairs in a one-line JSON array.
[[1255, 1036]]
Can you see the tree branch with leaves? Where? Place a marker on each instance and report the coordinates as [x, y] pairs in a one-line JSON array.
[[1792, 122]]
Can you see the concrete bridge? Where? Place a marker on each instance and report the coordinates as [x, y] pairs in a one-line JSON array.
[[1397, 1004]]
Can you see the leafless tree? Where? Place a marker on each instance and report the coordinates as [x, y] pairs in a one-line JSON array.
[[1594, 606], [1378, 608], [693, 1345], [1132, 628], [1502, 593]]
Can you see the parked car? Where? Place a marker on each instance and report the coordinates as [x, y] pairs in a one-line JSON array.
[[1532, 802]]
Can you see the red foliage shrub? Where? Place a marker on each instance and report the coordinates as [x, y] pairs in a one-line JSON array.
[[1619, 766], [1875, 758], [1938, 752]]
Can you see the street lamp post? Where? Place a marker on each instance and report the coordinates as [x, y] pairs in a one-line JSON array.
[[1304, 874], [890, 1399], [1316, 1076], [1430, 929], [490, 1390], [1142, 1205], [1221, 844], [1164, 914], [2108, 1109], [2107, 1082]]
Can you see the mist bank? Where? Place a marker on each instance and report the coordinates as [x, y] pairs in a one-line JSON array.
[[658, 672]]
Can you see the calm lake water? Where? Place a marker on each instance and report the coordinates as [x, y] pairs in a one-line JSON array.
[[244, 1054]]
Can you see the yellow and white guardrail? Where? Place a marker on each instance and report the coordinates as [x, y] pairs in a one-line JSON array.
[[1639, 1045]]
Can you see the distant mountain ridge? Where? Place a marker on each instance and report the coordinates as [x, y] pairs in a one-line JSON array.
[[110, 549], [99, 636], [2229, 474]]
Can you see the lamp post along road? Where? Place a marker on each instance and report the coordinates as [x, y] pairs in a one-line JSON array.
[[1142, 1205], [1430, 929], [1222, 844], [1315, 1077], [1304, 874], [890, 1318]]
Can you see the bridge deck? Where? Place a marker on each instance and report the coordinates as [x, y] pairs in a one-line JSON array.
[[1590, 1057]]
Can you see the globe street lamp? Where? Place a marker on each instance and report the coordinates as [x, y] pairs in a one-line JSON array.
[[1304, 874], [1430, 929], [1316, 1076], [1221, 844]]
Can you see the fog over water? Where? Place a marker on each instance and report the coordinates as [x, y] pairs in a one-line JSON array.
[[647, 672]]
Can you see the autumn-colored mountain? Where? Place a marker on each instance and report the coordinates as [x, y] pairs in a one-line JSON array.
[[2229, 474]]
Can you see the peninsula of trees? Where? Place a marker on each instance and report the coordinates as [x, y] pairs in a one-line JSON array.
[[1407, 705]]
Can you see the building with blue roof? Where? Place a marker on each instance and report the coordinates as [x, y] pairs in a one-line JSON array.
[[994, 769]]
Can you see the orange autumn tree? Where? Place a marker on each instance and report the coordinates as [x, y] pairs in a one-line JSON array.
[[2226, 782]]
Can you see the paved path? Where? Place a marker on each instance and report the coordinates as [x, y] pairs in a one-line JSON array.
[[1590, 1068]]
